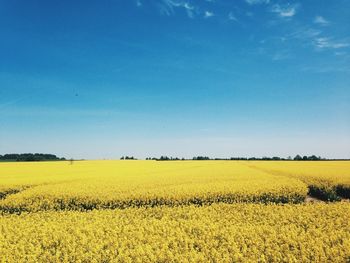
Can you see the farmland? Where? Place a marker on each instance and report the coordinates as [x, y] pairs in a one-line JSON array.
[[326, 180], [181, 211]]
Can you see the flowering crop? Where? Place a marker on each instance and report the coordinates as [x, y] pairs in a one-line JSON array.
[[186, 211], [329, 180], [120, 184], [216, 233]]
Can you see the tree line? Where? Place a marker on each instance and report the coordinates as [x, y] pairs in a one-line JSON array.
[[274, 158], [30, 157], [128, 158]]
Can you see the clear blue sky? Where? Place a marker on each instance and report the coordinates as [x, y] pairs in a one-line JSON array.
[[101, 79]]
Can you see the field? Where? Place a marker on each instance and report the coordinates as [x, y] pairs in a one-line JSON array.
[[326, 180], [175, 211]]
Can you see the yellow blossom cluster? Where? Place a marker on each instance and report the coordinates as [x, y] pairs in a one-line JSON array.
[[216, 233]]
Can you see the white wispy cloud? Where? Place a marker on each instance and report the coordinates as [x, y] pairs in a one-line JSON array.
[[317, 39], [321, 20], [168, 7], [304, 33], [189, 9], [208, 14], [232, 17], [256, 2], [285, 11], [340, 53], [328, 43], [138, 3]]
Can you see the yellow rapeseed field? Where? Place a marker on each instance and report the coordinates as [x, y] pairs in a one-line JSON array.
[[87, 185], [326, 179], [216, 233], [175, 211]]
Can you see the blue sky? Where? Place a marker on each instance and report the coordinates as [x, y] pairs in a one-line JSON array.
[[102, 79]]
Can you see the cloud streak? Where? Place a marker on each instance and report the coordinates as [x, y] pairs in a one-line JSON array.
[[208, 14], [328, 43], [321, 21], [168, 7], [284, 11], [231, 17], [257, 2], [317, 39]]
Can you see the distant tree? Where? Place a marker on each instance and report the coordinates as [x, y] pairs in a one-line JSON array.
[[201, 158], [314, 158], [238, 158], [298, 158]]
